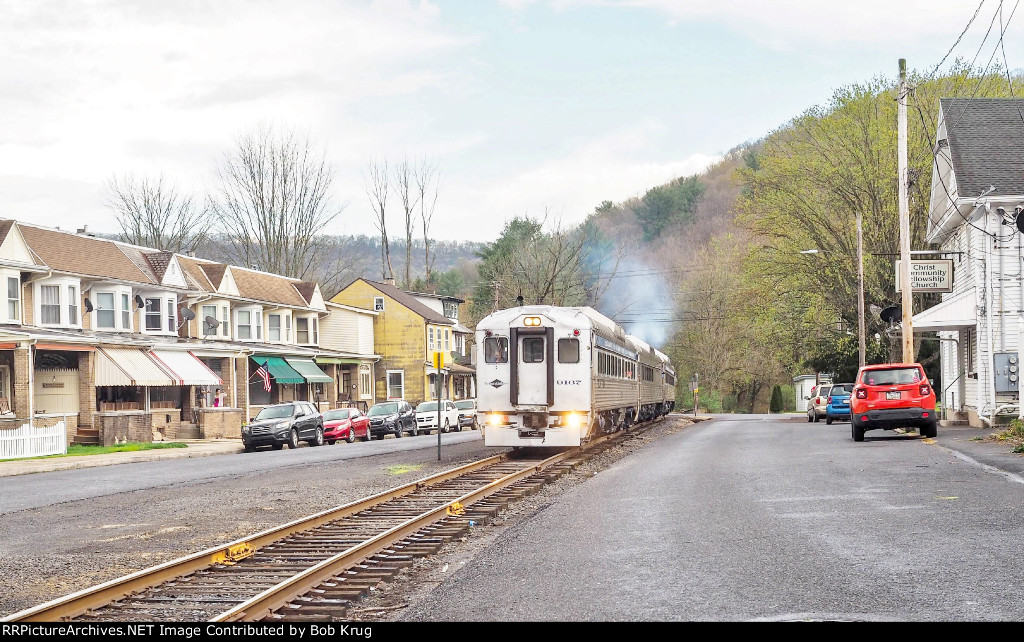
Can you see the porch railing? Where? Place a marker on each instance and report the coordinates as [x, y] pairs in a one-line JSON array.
[[30, 441]]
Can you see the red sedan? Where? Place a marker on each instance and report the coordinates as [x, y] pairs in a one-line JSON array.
[[347, 424]]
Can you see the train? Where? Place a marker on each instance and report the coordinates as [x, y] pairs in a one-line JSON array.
[[557, 376]]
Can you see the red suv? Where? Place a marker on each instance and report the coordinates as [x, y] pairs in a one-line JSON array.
[[892, 395]]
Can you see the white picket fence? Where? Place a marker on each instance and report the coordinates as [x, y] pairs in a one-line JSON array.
[[29, 441]]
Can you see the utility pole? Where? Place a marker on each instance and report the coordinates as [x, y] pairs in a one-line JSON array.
[[862, 340], [906, 288]]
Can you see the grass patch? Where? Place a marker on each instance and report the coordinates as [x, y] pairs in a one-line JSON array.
[[76, 450], [1012, 434], [402, 469]]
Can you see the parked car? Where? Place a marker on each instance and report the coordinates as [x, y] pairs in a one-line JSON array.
[[284, 423], [467, 413], [395, 417], [837, 407], [892, 395], [426, 416], [347, 424], [817, 401]]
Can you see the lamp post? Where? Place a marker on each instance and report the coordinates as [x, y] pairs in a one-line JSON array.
[[861, 332]]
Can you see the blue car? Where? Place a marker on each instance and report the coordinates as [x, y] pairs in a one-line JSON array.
[[838, 406]]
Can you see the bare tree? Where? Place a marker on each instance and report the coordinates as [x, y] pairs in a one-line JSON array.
[[377, 187], [153, 213], [427, 187], [403, 186], [273, 202]]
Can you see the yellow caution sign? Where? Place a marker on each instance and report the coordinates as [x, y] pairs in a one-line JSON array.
[[234, 554], [438, 360], [455, 510]]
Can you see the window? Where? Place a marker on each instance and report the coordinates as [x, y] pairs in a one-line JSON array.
[[73, 305], [568, 351], [396, 384], [274, 327], [430, 339], [105, 313], [259, 324], [223, 320], [971, 355], [302, 330], [451, 309], [533, 350], [496, 350], [153, 314], [458, 344], [288, 327], [49, 304], [209, 313], [378, 304], [447, 344], [14, 298], [244, 324], [172, 315], [316, 338]]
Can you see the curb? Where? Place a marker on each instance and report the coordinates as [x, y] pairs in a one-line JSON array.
[[196, 448]]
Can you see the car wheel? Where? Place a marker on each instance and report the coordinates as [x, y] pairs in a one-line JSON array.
[[398, 432], [476, 426], [858, 431], [816, 417], [415, 430], [447, 427], [930, 430], [318, 439], [351, 435], [828, 421], [293, 439], [809, 418]]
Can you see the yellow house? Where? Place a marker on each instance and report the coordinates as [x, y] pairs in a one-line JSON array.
[[405, 333]]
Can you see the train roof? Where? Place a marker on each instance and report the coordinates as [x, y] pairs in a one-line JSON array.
[[501, 318]]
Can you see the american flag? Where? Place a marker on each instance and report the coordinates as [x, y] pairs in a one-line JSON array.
[[264, 374]]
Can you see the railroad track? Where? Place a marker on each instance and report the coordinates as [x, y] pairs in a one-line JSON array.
[[315, 568]]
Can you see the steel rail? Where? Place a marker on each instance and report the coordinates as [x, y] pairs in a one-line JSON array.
[[276, 597], [107, 592]]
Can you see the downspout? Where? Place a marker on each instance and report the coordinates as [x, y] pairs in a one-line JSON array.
[[990, 383]]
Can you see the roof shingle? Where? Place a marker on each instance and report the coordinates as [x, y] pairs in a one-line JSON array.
[[986, 144]]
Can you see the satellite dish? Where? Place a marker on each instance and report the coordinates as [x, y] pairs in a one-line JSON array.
[[891, 314], [212, 322], [139, 302], [186, 314], [88, 305], [1020, 222]]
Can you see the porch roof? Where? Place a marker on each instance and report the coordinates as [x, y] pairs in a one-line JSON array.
[[955, 313]]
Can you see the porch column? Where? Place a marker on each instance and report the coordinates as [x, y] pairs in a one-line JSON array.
[[86, 388], [242, 385], [21, 382]]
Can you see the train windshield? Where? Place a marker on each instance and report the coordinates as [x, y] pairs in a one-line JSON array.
[[496, 350], [568, 351]]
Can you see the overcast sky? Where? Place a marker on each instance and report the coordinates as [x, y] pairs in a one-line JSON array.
[[525, 105]]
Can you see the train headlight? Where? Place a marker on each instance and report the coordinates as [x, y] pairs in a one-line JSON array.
[[531, 321], [494, 419], [574, 420]]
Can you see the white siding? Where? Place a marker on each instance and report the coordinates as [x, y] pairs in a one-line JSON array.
[[347, 331]]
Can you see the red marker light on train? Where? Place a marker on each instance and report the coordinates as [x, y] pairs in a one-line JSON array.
[[488, 333], [575, 333]]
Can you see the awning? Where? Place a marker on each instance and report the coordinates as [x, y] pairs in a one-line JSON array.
[[279, 369], [955, 313], [129, 367], [337, 360], [65, 347], [189, 370], [459, 369], [308, 369]]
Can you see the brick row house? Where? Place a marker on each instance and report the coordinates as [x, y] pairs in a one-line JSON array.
[[408, 329], [132, 343]]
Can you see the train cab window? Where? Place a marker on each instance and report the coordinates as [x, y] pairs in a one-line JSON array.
[[496, 350], [533, 350], [568, 351]]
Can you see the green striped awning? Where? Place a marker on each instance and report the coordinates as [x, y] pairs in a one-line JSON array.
[[309, 370], [279, 369]]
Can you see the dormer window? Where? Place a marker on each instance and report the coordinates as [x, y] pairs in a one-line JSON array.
[[273, 327], [153, 315], [249, 324], [13, 298], [49, 304], [106, 315], [56, 301], [160, 314], [306, 331]]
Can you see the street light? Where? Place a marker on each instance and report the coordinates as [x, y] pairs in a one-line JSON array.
[[862, 342]]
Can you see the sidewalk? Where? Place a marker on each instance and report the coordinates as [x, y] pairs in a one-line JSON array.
[[196, 448]]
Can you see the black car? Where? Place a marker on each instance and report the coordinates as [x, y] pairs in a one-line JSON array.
[[394, 417], [284, 423]]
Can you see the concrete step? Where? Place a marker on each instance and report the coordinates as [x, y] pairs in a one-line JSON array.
[[187, 431], [86, 437]]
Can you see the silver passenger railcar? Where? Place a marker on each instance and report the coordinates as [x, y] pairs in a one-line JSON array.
[[556, 376]]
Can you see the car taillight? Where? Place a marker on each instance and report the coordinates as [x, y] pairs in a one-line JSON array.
[[924, 390], [830, 398], [862, 393]]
